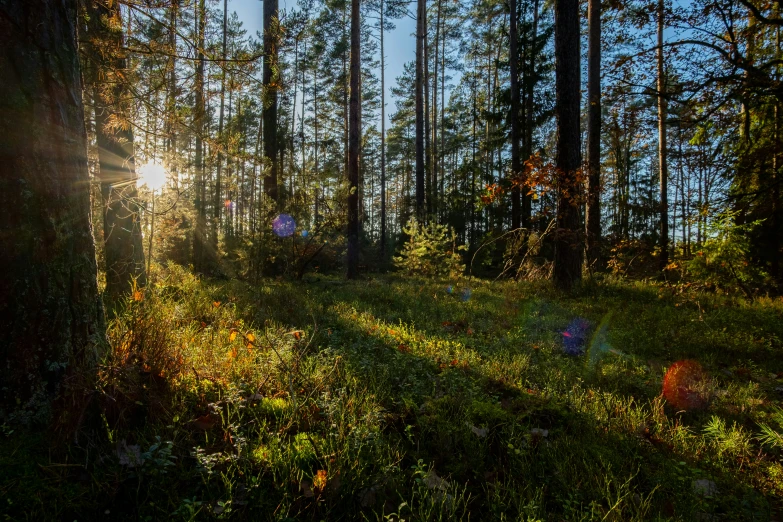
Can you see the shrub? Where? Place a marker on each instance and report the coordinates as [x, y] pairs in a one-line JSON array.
[[431, 250], [723, 259]]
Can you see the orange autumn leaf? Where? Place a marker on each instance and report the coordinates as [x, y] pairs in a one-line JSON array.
[[232, 336], [216, 304], [234, 352], [137, 295], [319, 480], [297, 336]]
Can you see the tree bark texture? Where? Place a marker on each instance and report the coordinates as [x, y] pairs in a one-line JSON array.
[[123, 250], [662, 154], [269, 113], [593, 213], [51, 317], [354, 142], [567, 268], [516, 165], [420, 35]]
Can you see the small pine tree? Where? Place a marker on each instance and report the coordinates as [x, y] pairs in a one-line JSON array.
[[430, 251]]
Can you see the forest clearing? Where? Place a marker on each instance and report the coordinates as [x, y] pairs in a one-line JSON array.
[[234, 286]]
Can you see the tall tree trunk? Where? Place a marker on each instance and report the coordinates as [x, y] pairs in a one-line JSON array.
[[420, 35], [123, 250], [51, 317], [442, 115], [354, 142], [529, 115], [663, 168], [171, 105], [593, 213], [271, 30], [383, 142], [516, 165], [435, 159], [199, 112], [567, 268], [427, 145], [217, 205]]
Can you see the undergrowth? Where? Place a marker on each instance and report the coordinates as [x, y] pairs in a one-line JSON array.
[[391, 399]]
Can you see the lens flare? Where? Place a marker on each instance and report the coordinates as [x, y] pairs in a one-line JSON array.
[[466, 293], [575, 336], [684, 385], [305, 233], [283, 225], [450, 289]]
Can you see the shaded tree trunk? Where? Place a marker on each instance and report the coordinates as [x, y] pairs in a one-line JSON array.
[[270, 96], [217, 205], [529, 116], [421, 21], [593, 213], [516, 165], [663, 167], [354, 142], [435, 159], [383, 143], [171, 105], [51, 317], [123, 250], [567, 268], [199, 111]]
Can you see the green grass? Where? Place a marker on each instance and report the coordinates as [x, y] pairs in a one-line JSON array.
[[393, 399]]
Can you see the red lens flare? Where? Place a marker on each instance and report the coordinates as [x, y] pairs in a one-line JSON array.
[[683, 385]]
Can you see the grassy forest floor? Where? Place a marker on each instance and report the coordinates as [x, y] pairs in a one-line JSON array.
[[404, 399]]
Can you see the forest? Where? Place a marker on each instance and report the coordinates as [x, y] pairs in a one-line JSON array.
[[248, 274]]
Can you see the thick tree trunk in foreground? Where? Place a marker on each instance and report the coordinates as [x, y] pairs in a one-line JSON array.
[[51, 318], [354, 143], [567, 268], [269, 113], [123, 249], [593, 214]]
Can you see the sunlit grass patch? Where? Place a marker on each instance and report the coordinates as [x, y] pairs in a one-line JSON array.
[[337, 400]]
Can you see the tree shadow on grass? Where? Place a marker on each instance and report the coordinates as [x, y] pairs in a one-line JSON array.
[[485, 433]]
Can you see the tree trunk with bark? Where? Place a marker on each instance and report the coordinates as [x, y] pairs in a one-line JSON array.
[[567, 268], [199, 113], [123, 251], [516, 165], [269, 114], [383, 142], [593, 213], [354, 143], [421, 22], [51, 317], [663, 168]]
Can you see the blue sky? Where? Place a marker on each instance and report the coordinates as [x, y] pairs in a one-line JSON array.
[[400, 44]]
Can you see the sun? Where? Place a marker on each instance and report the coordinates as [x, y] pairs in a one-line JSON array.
[[153, 175]]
